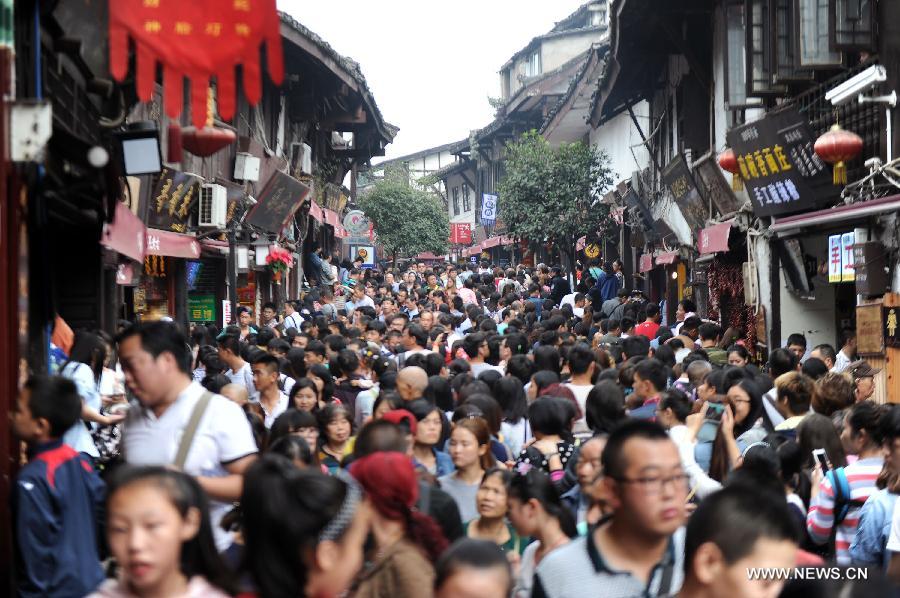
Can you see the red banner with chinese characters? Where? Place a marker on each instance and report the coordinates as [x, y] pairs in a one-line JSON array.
[[461, 233], [199, 39]]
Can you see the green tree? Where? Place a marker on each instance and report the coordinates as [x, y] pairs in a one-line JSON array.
[[551, 194], [406, 220]]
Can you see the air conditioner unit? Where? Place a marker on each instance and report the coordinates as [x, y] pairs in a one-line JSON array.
[[751, 286], [212, 206], [246, 167], [301, 158]]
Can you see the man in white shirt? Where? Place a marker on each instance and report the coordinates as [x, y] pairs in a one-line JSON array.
[[238, 371], [265, 377], [156, 361], [476, 347], [581, 366], [292, 318], [415, 340], [844, 357], [359, 299]]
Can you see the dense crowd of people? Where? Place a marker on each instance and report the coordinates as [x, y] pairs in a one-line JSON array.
[[457, 432]]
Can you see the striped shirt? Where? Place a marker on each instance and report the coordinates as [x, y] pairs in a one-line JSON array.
[[861, 476]]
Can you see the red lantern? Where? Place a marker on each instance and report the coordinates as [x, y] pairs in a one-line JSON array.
[[728, 162], [207, 140], [837, 146]]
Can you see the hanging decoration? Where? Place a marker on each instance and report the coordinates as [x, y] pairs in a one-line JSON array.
[[199, 40], [726, 301], [173, 144], [207, 140], [837, 147], [729, 163], [155, 266], [278, 261]]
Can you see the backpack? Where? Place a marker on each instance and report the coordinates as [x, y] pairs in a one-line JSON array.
[[842, 501]]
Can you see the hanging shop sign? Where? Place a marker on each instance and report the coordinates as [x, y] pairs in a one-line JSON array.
[[461, 233], [356, 223], [172, 200], [680, 183], [779, 166], [275, 206], [840, 258], [869, 329], [714, 238], [488, 209], [199, 40], [646, 262], [202, 308], [869, 258]]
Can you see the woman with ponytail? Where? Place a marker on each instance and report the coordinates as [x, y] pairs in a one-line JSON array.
[[406, 541], [535, 510]]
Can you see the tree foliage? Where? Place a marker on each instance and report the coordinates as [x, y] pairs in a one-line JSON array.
[[550, 194], [406, 220]]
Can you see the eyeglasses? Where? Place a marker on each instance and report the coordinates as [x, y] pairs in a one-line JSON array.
[[654, 485]]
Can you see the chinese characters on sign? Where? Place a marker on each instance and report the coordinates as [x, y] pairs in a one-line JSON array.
[[202, 308], [777, 162], [680, 183], [840, 258], [172, 200], [488, 209], [277, 202], [461, 233]]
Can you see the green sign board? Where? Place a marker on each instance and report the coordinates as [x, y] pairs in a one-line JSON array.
[[202, 308]]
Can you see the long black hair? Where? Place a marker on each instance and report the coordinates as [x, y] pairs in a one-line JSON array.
[[198, 554], [321, 371], [90, 350], [284, 510], [537, 485], [511, 395]]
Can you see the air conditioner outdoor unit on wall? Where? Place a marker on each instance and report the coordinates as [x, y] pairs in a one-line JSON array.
[[212, 206]]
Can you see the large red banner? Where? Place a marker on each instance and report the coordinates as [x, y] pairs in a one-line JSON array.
[[461, 233], [198, 39]]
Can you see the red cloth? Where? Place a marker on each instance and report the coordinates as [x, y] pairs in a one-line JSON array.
[[395, 416], [390, 482], [648, 329]]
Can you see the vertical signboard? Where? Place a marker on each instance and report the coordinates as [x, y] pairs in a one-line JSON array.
[[848, 271], [488, 209], [834, 258]]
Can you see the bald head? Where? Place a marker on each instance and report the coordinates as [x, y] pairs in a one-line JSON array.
[[411, 383], [235, 392]]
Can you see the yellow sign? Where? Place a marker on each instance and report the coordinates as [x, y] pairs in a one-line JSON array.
[[592, 250]]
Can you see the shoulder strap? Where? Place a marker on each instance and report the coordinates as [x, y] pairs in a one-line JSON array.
[[187, 439], [425, 500]]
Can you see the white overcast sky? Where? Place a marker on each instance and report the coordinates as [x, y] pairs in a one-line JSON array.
[[430, 65]]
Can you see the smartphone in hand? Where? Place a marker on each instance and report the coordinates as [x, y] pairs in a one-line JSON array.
[[711, 421], [822, 459]]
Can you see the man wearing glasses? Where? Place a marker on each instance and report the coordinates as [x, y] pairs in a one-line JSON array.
[[639, 549]]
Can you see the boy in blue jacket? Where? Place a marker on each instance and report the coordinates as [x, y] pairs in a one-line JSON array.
[[58, 497]]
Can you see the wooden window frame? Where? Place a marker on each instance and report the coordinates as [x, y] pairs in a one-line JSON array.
[[840, 43], [837, 61]]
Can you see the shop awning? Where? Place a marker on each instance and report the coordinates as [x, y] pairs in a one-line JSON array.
[[340, 232], [125, 234], [316, 213], [161, 242], [645, 264], [332, 218], [714, 238], [668, 257], [834, 216]]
